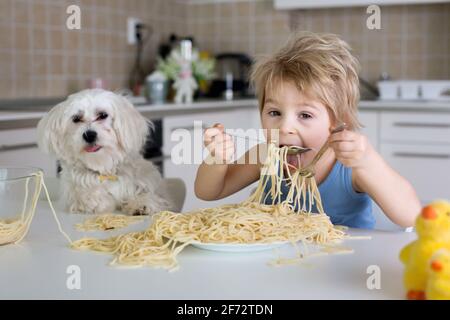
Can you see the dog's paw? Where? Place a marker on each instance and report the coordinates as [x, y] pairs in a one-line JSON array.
[[145, 204], [134, 208], [143, 211]]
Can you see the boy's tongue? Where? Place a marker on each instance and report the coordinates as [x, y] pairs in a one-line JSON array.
[[292, 159]]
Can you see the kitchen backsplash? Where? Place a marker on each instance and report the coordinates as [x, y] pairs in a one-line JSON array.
[[413, 43], [40, 57]]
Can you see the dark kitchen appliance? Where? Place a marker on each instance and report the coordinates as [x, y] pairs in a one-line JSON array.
[[153, 146], [235, 67]]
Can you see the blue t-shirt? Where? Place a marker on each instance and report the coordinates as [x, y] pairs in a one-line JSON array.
[[340, 201]]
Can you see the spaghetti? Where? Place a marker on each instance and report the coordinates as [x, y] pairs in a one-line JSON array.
[[107, 221], [247, 222], [14, 230]]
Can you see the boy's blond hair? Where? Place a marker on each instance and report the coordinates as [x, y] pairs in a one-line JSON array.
[[318, 64]]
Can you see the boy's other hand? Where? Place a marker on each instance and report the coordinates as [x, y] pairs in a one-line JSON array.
[[351, 148], [219, 144]]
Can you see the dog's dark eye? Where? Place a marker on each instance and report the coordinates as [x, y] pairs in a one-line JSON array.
[[102, 116], [76, 119]]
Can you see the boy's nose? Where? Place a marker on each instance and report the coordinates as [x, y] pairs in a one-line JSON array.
[[287, 131], [287, 128]]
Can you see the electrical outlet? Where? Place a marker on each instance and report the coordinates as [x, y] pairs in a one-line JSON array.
[[131, 30]]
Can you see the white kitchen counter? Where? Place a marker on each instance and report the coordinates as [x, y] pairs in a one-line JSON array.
[[36, 269], [405, 105], [151, 111], [6, 116], [161, 110]]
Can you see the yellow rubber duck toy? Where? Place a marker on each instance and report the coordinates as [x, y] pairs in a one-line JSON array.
[[433, 230], [438, 284]]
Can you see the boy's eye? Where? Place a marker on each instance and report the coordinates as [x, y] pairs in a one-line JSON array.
[[274, 113], [304, 115], [102, 116], [76, 119]]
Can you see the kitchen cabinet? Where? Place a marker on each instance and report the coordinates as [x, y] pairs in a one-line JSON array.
[[311, 4], [369, 121], [175, 126], [415, 127], [427, 167], [417, 145], [18, 147]]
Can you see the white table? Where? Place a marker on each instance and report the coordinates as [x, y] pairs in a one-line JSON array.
[[37, 269]]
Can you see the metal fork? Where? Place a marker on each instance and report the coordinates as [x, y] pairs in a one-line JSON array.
[[297, 150], [291, 150], [308, 171]]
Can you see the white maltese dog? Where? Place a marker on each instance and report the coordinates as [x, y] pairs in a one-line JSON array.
[[98, 137]]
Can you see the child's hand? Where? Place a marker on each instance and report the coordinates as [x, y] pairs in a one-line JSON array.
[[351, 148], [219, 144]]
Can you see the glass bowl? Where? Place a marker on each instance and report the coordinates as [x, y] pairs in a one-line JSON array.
[[19, 192]]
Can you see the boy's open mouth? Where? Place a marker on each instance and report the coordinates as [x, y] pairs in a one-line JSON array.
[[292, 159]]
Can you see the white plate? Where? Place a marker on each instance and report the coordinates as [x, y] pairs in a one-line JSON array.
[[238, 247]]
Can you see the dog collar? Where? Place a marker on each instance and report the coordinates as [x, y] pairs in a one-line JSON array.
[[103, 177]]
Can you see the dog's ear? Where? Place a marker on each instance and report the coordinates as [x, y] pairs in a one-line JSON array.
[[50, 130], [130, 126]]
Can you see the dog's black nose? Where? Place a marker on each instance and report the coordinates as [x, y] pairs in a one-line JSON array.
[[90, 136]]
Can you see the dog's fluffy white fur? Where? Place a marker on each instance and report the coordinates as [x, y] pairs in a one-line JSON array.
[[98, 134]]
